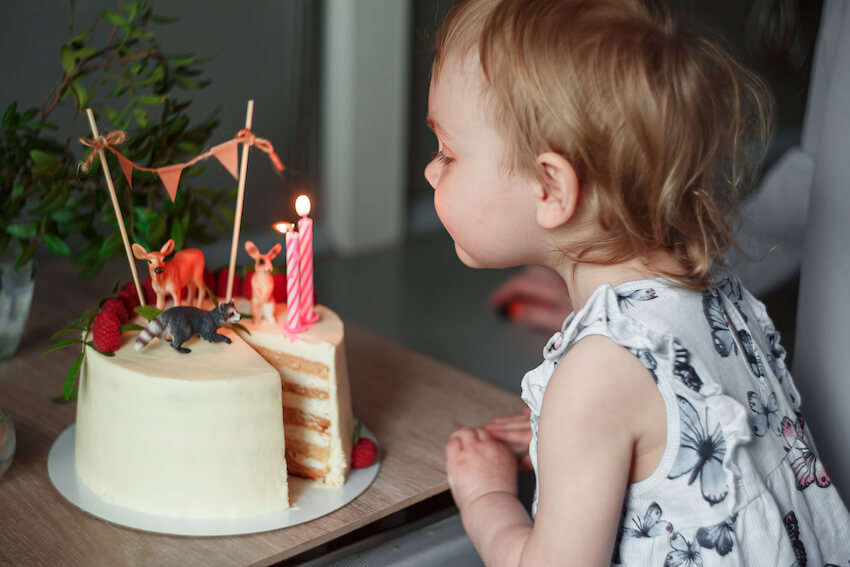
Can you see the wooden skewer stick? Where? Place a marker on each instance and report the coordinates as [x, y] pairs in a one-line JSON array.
[[237, 221], [115, 206]]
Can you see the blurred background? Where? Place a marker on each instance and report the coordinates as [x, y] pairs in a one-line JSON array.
[[340, 89]]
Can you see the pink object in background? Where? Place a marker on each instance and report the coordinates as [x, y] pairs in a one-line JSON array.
[[293, 285], [305, 231]]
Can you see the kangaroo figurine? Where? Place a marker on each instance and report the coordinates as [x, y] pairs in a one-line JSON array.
[[262, 283], [185, 269], [178, 324]]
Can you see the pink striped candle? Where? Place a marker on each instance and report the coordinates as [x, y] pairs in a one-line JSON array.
[[293, 285], [305, 231]]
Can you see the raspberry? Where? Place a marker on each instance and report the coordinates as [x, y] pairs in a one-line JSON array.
[[221, 284], [105, 333], [147, 291], [279, 287], [116, 306], [247, 290], [365, 453], [130, 299]]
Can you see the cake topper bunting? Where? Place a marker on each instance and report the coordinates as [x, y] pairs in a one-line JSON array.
[[101, 142]]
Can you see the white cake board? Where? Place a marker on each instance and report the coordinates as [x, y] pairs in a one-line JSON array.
[[308, 500]]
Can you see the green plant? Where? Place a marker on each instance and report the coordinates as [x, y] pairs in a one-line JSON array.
[[132, 85]]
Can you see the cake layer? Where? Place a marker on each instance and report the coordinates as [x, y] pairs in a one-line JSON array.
[[194, 435], [316, 398]]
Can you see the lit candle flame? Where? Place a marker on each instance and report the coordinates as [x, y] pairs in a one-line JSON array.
[[302, 205], [284, 227]]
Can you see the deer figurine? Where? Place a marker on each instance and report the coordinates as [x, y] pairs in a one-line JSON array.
[[186, 268], [262, 283]]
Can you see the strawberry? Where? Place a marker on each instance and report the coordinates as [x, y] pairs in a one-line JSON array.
[[279, 287], [116, 306], [364, 453], [221, 284], [105, 333], [247, 290]]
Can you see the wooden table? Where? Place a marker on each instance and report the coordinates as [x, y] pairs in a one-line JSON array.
[[410, 402]]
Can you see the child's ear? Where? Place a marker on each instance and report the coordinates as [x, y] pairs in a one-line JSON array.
[[557, 196]]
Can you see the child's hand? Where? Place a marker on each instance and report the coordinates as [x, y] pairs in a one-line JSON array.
[[478, 464], [515, 432]]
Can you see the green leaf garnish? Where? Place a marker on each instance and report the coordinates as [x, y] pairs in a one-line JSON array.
[[63, 344], [71, 378], [130, 327], [240, 326], [149, 312]]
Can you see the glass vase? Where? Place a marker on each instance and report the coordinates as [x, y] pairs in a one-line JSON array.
[[16, 289]]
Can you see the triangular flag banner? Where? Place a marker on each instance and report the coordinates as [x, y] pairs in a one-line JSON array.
[[227, 154], [170, 178], [127, 168]]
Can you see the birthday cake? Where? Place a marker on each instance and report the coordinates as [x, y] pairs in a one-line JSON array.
[[211, 434]]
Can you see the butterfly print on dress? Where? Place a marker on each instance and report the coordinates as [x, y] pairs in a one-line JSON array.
[[753, 358], [793, 530], [807, 468], [767, 418], [732, 288], [718, 537], [683, 369], [701, 455], [651, 526], [625, 299], [684, 554], [647, 360], [721, 335]]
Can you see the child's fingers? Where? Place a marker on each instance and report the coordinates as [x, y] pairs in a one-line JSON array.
[[465, 435], [513, 437], [482, 434], [519, 422]]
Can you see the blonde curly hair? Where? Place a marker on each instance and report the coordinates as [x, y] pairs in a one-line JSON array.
[[661, 125]]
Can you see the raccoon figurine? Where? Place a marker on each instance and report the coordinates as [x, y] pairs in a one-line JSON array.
[[177, 324]]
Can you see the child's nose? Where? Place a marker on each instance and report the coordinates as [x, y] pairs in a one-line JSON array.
[[432, 173]]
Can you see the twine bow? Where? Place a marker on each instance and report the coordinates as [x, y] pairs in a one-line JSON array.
[[245, 136], [114, 138]]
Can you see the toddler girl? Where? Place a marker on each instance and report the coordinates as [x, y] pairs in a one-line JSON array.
[[601, 139]]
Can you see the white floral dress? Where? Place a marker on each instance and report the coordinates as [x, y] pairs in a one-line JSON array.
[[739, 482]]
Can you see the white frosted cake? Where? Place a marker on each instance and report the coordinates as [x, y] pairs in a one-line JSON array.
[[201, 435]]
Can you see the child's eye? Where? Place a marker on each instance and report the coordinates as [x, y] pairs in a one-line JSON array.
[[443, 158]]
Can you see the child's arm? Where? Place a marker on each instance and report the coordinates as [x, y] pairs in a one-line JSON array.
[[592, 418]]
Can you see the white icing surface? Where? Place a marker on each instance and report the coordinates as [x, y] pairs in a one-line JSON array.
[[186, 435]]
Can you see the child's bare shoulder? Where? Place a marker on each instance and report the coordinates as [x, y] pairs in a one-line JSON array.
[[597, 376]]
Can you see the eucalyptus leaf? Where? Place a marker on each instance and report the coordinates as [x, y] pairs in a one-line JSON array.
[[113, 18], [56, 245], [8, 114], [73, 373], [21, 231], [63, 344], [68, 57]]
